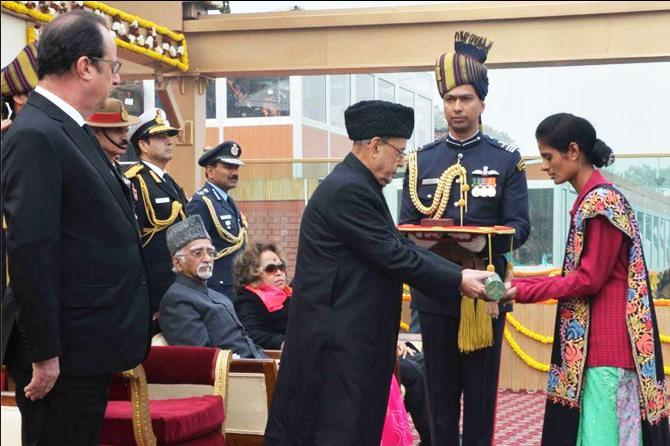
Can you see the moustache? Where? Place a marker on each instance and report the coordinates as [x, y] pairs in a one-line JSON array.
[[234, 177]]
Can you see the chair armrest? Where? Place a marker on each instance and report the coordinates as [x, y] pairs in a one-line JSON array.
[[273, 354], [139, 398], [8, 398], [267, 367]]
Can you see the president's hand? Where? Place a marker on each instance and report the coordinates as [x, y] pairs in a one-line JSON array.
[[472, 283], [45, 374]]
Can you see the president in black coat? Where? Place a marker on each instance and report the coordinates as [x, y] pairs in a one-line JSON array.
[[74, 251], [340, 345]]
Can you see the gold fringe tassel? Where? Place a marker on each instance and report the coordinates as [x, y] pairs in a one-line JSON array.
[[473, 39], [475, 330]]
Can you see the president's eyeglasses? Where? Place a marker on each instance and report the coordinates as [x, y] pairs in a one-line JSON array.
[[400, 153], [115, 64]]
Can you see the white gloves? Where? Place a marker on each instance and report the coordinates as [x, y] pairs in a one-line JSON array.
[[472, 244], [425, 239]]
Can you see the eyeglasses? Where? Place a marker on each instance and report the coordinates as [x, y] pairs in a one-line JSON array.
[[115, 64], [400, 153], [274, 267]]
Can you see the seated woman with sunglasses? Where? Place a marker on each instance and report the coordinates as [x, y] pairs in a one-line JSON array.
[[262, 294]]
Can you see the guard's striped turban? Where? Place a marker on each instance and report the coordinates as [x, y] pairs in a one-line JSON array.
[[465, 65], [20, 76]]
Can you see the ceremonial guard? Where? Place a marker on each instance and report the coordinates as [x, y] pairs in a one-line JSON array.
[[111, 125], [223, 220], [159, 201], [461, 340]]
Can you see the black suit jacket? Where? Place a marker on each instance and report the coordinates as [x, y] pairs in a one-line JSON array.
[[74, 254]]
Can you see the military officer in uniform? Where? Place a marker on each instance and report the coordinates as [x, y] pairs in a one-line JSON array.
[[496, 195], [223, 220], [160, 200], [111, 124]]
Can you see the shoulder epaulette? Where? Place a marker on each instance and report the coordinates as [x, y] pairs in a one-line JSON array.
[[133, 170], [430, 145], [502, 145]]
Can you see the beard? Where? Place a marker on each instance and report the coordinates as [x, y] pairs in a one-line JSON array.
[[205, 272]]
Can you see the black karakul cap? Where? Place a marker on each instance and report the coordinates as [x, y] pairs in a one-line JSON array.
[[228, 152], [367, 119]]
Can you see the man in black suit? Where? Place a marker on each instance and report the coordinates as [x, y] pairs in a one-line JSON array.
[[74, 250], [339, 351], [160, 201]]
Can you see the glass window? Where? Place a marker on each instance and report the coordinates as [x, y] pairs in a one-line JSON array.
[[538, 249], [157, 100], [314, 97], [132, 96], [340, 97], [406, 98], [365, 87], [257, 97], [210, 99], [665, 244], [385, 90], [423, 83], [423, 121], [656, 242]]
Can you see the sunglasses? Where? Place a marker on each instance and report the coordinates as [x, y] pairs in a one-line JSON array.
[[272, 268]]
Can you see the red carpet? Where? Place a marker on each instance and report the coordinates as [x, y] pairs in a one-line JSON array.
[[519, 419]]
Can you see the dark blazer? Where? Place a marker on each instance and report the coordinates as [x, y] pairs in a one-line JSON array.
[[230, 218], [162, 195], [340, 344], [192, 314], [266, 328], [75, 259]]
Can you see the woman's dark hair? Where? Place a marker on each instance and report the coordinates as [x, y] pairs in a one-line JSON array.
[[247, 264], [559, 130], [66, 39]]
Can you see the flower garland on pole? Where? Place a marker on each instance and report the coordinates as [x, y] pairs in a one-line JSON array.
[[157, 42], [525, 357]]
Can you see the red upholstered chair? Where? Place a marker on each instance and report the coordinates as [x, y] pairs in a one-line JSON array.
[[132, 418]]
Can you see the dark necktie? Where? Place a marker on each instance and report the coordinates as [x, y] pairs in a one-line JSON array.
[[171, 183]]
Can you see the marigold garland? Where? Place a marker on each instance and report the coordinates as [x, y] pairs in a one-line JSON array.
[[528, 332], [530, 361], [525, 357], [176, 37], [181, 64], [31, 34]]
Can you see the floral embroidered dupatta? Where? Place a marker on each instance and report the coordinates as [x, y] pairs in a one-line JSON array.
[[568, 357]]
